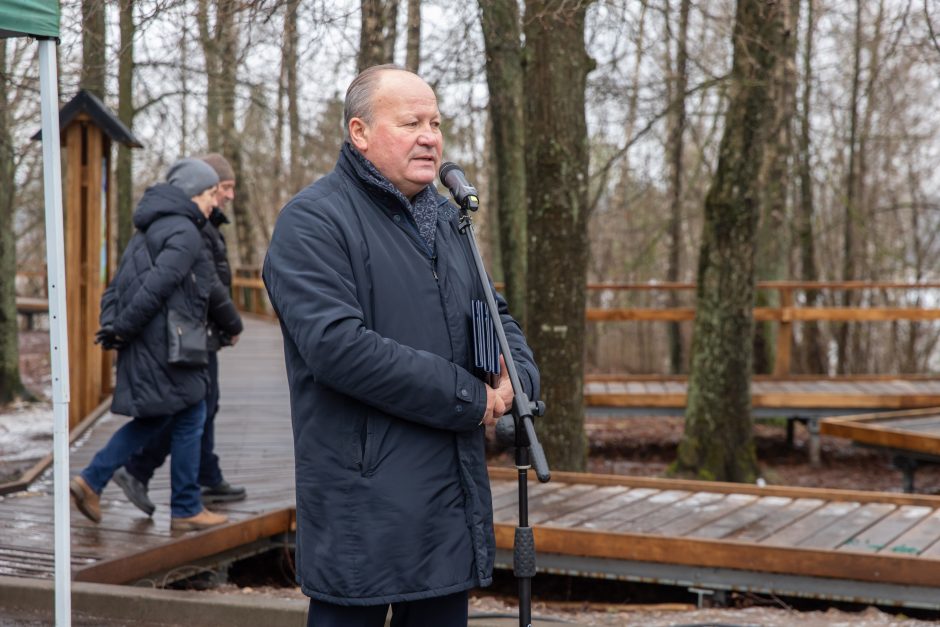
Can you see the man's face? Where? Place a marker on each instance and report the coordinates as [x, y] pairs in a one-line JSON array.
[[224, 193], [404, 140]]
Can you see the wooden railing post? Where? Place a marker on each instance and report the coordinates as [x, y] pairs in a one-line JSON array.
[[784, 333]]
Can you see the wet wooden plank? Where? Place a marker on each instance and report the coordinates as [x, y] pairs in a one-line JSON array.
[[810, 524], [620, 518], [887, 530], [741, 518], [580, 502], [586, 515], [917, 539], [510, 500], [549, 505], [848, 526], [659, 519], [711, 512]]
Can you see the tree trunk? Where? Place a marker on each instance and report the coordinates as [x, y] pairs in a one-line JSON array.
[[208, 40], [676, 132], [10, 385], [93, 47], [296, 173], [851, 194], [124, 171], [231, 147], [718, 443], [220, 47], [556, 71], [413, 49], [813, 354], [184, 97], [378, 32], [773, 246], [502, 37]]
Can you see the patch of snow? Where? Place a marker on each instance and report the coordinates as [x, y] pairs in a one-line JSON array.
[[25, 431]]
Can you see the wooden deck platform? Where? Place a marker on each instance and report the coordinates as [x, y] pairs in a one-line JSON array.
[[822, 543], [255, 446], [849, 545], [775, 395], [803, 399], [912, 437]]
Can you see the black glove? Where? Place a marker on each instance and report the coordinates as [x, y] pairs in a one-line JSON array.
[[108, 339]]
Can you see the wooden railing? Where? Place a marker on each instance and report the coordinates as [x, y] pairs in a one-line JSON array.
[[785, 314], [249, 293], [251, 296]]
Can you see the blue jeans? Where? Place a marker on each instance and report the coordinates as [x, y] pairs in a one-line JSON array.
[[186, 431], [145, 461]]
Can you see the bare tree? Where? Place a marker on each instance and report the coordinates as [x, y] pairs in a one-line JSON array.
[[557, 152], [94, 63], [378, 32], [851, 204], [124, 171], [773, 245], [220, 45], [678, 87], [10, 385], [813, 356], [413, 49], [296, 173], [718, 442], [504, 76]]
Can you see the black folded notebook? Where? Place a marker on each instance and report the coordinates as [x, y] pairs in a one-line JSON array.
[[485, 343]]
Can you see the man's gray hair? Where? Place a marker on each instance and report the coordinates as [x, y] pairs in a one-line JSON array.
[[358, 103]]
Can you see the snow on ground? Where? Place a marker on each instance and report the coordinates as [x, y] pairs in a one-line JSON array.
[[25, 437]]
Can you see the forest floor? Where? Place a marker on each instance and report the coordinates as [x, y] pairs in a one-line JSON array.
[[634, 446]]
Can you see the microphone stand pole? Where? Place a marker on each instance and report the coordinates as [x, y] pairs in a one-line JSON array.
[[529, 451]]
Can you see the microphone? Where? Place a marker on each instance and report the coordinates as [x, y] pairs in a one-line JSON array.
[[460, 188]]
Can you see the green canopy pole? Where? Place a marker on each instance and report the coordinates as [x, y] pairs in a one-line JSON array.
[[58, 328]]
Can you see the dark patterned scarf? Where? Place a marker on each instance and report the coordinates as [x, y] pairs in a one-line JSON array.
[[424, 208]]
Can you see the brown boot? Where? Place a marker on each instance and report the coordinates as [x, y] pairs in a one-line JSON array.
[[87, 502], [202, 520]]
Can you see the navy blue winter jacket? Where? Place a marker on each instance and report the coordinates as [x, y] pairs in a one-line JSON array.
[[393, 497], [165, 265]]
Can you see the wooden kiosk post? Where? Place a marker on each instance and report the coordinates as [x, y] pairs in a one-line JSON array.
[[87, 130]]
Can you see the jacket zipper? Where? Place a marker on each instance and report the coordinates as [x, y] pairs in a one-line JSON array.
[[434, 267]]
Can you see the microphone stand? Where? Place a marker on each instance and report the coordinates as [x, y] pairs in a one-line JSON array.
[[529, 451]]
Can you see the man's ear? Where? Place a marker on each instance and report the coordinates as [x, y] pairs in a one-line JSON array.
[[359, 134]]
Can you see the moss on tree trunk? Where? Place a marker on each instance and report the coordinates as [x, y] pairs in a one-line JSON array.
[[718, 442]]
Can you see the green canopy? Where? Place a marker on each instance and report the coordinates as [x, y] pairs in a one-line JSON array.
[[34, 18]]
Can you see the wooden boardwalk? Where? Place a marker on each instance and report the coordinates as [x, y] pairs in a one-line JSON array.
[[803, 395], [255, 446], [834, 544], [912, 437]]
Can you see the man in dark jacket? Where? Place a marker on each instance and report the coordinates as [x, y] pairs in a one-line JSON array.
[[373, 286], [165, 269], [135, 476]]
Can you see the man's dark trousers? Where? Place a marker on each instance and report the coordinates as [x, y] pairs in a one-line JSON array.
[[145, 461], [446, 611]]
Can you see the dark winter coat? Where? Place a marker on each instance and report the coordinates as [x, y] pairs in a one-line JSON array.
[[166, 265], [393, 497], [215, 244]]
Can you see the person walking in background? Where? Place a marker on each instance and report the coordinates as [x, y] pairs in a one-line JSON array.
[[134, 477], [373, 285], [166, 269]]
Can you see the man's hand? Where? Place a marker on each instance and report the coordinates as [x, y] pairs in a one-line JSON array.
[[498, 399], [108, 339], [234, 339]]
